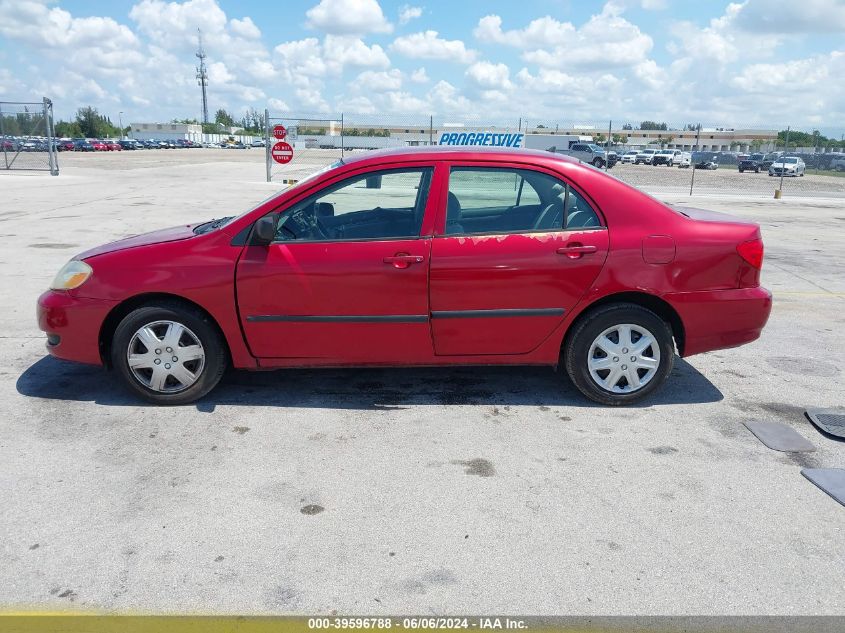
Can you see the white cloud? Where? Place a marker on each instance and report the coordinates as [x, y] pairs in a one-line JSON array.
[[277, 105], [313, 58], [488, 75], [796, 76], [408, 13], [384, 81], [545, 31], [351, 51], [444, 97], [348, 17], [605, 40], [789, 16], [427, 45], [169, 22], [737, 67], [419, 76], [245, 28]]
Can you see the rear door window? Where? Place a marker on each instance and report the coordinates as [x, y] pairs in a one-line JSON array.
[[485, 200]]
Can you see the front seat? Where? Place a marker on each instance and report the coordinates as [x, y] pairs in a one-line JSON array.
[[453, 215], [552, 215]]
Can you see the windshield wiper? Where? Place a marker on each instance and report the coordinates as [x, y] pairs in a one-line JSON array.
[[210, 226]]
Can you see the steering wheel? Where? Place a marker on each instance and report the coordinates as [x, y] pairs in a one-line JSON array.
[[318, 228]]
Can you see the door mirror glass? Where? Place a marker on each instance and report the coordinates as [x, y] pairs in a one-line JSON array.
[[264, 229]]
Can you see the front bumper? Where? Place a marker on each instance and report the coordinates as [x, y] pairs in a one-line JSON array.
[[718, 319], [72, 325]]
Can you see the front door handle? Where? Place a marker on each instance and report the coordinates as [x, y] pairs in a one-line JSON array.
[[403, 260], [574, 251]]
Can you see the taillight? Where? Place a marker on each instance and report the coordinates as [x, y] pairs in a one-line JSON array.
[[752, 252]]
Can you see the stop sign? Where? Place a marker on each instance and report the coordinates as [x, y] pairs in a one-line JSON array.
[[280, 132], [282, 152]]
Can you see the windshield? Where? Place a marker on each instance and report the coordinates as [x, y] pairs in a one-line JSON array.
[[790, 160], [595, 147]]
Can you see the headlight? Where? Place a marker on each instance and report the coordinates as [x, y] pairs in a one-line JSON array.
[[72, 275]]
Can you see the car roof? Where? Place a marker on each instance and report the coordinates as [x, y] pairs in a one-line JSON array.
[[449, 152]]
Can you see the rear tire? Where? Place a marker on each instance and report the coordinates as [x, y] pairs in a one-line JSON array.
[[598, 162], [619, 354], [169, 353]]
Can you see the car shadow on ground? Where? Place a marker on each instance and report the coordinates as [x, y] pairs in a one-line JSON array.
[[360, 389]]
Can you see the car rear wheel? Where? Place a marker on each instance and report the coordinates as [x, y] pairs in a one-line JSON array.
[[168, 353], [619, 354]]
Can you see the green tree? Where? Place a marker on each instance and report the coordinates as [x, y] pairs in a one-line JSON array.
[[69, 129], [92, 124], [652, 125], [224, 118], [663, 141]]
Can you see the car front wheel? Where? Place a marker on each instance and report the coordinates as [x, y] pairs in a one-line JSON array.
[[168, 354], [619, 354]]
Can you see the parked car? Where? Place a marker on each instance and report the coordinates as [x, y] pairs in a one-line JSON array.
[[754, 163], [113, 146], [684, 160], [666, 157], [365, 264], [838, 163], [588, 153], [629, 156], [99, 146], [259, 142], [788, 166], [645, 157], [129, 144], [83, 145], [64, 145], [709, 163]]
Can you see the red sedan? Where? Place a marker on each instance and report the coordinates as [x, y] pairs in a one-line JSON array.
[[113, 146], [434, 256], [99, 146]]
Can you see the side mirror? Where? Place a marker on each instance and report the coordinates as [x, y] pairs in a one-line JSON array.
[[264, 230]]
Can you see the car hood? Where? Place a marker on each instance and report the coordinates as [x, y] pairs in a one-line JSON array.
[[172, 234]]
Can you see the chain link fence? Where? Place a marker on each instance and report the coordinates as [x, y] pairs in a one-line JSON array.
[[26, 134], [655, 157]]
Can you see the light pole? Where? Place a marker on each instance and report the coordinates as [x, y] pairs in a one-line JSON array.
[[120, 122]]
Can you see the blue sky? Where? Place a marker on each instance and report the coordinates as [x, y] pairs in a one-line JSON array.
[[757, 63]]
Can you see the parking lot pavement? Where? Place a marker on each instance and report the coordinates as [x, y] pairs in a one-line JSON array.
[[413, 491]]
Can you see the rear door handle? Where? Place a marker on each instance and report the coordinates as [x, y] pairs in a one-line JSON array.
[[403, 260], [574, 251]]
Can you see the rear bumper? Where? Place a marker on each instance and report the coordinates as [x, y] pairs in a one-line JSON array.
[[719, 319], [72, 325]]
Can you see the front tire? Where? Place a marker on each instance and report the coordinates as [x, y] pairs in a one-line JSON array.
[[619, 354], [598, 162], [169, 353]]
